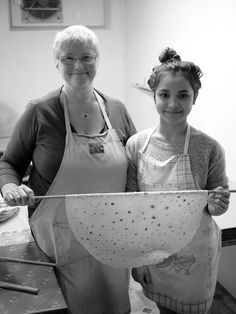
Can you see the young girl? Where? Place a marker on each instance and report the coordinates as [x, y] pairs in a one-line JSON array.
[[176, 156]]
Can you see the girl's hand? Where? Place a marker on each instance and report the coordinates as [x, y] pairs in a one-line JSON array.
[[218, 202], [15, 195], [141, 275]]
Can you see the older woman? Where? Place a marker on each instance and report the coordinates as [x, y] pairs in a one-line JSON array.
[[74, 137]]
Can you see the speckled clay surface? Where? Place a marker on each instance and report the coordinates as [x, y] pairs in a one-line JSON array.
[[135, 229]]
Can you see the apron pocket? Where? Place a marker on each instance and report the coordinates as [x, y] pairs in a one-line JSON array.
[[67, 248]]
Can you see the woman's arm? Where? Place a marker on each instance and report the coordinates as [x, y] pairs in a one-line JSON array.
[[218, 200], [16, 159]]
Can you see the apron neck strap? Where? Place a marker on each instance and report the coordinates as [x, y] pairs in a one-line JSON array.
[[187, 137], [66, 113], [103, 110], [148, 139], [186, 143]]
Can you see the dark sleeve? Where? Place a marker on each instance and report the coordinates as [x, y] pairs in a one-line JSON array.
[[18, 154], [132, 176], [217, 169], [120, 118], [129, 126]]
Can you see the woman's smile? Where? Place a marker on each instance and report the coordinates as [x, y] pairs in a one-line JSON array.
[[173, 111]]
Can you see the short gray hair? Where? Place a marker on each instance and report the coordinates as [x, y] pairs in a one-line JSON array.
[[75, 34]]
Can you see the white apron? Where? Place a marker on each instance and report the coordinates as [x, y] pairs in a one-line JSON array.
[[90, 164], [184, 282]]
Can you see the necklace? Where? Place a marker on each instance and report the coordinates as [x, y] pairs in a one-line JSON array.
[[85, 115]]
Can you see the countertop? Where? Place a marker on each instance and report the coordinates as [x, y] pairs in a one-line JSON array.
[[16, 242]]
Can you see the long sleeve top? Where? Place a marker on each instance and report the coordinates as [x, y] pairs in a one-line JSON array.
[[39, 139], [207, 158]]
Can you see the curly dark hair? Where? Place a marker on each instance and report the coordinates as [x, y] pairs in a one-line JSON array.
[[171, 62]]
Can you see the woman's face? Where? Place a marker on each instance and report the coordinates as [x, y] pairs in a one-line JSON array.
[[174, 98], [83, 71]]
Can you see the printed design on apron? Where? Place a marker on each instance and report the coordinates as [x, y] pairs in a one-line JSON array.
[[84, 168], [178, 263], [198, 261]]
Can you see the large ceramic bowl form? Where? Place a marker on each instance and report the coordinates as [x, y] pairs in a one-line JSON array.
[[135, 229]]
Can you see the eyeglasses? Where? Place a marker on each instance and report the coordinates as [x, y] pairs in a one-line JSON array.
[[87, 60]]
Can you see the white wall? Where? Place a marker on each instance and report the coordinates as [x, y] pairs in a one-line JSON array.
[[202, 31], [27, 65]]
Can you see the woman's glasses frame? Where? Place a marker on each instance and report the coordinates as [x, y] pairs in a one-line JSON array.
[[87, 60]]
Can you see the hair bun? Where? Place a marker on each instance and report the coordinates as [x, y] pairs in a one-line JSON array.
[[169, 55]]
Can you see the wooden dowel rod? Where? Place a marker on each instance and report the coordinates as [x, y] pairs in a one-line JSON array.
[[49, 196], [64, 196], [25, 261], [216, 191], [16, 287]]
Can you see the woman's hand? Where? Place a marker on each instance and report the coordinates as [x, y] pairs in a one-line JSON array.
[[141, 275], [15, 195], [218, 202]]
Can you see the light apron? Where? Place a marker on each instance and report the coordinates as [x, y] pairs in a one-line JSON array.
[[184, 282], [90, 164]]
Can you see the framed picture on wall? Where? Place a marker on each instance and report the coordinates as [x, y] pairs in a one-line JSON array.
[[38, 14]]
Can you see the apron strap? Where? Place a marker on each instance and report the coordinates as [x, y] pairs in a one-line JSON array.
[[67, 120], [148, 139], [186, 143], [102, 107], [187, 137]]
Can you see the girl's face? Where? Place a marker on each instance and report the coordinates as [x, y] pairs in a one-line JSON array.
[[82, 72], [174, 98]]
